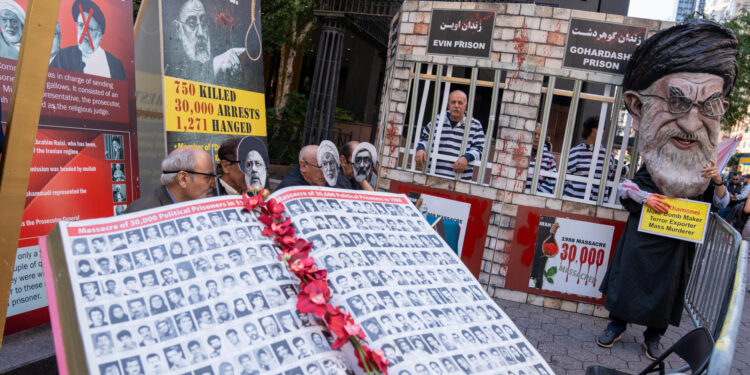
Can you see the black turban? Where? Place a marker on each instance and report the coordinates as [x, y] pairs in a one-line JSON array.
[[694, 46], [89, 6]]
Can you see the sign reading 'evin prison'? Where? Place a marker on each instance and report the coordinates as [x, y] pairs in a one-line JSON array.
[[601, 46], [461, 33]]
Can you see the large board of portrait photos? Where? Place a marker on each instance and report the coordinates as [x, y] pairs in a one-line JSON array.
[[195, 288]]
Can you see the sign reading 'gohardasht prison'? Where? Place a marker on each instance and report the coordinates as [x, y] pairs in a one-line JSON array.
[[461, 33], [601, 46]]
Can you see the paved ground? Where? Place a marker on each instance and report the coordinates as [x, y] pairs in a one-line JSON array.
[[567, 340]]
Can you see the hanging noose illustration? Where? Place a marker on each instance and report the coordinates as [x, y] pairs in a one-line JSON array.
[[253, 26]]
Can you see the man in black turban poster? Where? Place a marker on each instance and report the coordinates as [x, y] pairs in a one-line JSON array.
[[676, 87], [88, 56]]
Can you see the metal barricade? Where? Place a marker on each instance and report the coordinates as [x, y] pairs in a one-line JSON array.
[[712, 277], [721, 358]]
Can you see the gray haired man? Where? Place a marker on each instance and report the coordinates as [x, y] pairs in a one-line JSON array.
[[187, 174]]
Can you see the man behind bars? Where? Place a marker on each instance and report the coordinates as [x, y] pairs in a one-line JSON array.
[[450, 140], [676, 85]]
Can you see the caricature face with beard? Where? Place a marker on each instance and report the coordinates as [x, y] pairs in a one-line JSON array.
[[362, 160], [192, 30], [676, 147]]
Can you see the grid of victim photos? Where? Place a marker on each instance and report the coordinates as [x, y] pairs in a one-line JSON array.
[[203, 294], [409, 291]]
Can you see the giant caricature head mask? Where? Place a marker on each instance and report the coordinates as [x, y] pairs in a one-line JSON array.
[[676, 85]]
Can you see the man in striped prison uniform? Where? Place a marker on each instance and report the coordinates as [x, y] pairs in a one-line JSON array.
[[579, 162], [451, 137], [545, 184]]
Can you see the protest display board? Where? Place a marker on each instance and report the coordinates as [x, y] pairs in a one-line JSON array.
[[84, 162], [560, 254], [461, 33], [450, 204], [601, 46], [686, 220], [212, 72], [196, 287]]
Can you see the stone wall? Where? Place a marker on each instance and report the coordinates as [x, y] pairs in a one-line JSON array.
[[529, 43]]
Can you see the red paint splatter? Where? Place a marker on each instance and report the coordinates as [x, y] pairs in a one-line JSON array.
[[520, 45], [516, 152], [226, 20], [526, 236], [392, 134]]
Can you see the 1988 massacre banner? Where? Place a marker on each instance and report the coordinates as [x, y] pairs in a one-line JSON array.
[[196, 288], [213, 71], [84, 162]]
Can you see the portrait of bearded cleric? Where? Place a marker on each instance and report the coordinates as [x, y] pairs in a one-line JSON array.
[[205, 41], [363, 160], [328, 161], [677, 94], [253, 160]]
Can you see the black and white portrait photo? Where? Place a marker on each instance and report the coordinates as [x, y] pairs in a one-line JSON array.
[[113, 147], [363, 160], [118, 193], [253, 161], [209, 42], [118, 172], [328, 161]]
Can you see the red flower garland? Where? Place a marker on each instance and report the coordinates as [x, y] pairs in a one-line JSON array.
[[314, 295]]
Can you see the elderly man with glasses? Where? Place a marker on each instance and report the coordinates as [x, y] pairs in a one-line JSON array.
[[187, 174], [676, 85]]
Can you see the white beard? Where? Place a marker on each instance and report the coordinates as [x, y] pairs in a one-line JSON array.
[[677, 172]]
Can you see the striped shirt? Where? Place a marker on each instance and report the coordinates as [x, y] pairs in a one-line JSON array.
[[451, 138], [545, 184], [579, 164]]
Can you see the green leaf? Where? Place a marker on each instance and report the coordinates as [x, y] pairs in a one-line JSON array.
[[551, 271], [549, 280]]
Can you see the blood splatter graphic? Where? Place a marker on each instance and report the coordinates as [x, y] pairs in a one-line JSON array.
[[391, 134]]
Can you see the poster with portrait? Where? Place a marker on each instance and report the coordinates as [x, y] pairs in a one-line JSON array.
[[212, 71], [252, 158], [196, 288], [84, 162]]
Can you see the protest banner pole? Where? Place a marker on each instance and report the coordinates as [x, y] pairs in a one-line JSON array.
[[23, 119]]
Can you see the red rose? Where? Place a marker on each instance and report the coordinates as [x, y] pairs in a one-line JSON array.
[[550, 249]]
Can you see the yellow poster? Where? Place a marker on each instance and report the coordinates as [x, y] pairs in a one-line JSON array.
[[202, 108], [686, 220]]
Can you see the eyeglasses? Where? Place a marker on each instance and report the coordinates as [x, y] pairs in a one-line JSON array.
[[213, 175], [311, 164], [712, 107], [193, 22]]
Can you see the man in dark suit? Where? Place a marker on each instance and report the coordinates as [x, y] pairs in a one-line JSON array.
[[187, 174], [87, 56]]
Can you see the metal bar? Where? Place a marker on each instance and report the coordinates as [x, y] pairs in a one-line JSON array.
[[597, 148], [420, 119], [569, 127], [490, 126], [324, 83], [23, 120], [435, 99], [621, 155], [414, 94], [608, 148], [634, 156], [543, 135], [333, 91], [459, 80], [443, 109], [583, 95], [467, 120]]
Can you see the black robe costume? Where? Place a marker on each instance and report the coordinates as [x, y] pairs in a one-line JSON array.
[[645, 282]]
